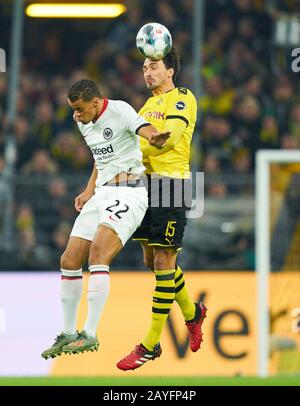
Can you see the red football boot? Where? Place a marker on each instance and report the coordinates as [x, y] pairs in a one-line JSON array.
[[138, 357], [194, 327]]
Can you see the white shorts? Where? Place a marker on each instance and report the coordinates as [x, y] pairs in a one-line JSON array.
[[121, 208]]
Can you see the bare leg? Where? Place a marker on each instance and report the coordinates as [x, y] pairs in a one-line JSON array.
[[148, 255], [105, 246], [75, 254]]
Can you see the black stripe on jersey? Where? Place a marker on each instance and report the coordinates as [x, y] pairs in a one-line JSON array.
[[180, 117], [142, 125]]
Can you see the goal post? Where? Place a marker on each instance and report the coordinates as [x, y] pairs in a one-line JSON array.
[[263, 226]]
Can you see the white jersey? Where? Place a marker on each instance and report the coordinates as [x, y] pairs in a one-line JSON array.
[[114, 141]]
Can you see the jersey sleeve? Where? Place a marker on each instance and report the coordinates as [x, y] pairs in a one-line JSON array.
[[182, 105], [132, 120]]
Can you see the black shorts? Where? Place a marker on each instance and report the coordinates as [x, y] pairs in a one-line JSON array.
[[165, 219]]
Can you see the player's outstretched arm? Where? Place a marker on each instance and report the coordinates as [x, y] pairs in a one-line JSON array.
[[174, 128], [153, 136], [89, 191]]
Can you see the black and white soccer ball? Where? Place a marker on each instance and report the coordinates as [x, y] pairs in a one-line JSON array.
[[154, 41]]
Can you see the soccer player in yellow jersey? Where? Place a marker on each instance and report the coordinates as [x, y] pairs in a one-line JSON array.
[[171, 109]]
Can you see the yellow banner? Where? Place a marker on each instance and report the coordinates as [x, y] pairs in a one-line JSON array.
[[229, 346], [285, 323]]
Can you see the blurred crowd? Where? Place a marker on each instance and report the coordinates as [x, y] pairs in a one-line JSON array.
[[248, 102]]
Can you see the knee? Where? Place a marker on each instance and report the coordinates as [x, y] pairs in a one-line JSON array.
[[164, 259], [160, 263], [69, 262], [97, 256]]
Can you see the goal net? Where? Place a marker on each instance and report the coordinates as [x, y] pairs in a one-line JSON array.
[[278, 261]]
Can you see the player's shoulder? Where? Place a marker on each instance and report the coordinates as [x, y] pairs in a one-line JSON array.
[[119, 106], [182, 92], [181, 99]]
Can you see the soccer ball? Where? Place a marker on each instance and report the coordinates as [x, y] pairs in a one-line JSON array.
[[154, 41]]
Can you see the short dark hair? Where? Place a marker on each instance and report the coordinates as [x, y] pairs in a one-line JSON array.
[[84, 89], [172, 60]]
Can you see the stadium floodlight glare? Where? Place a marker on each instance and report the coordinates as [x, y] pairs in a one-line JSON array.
[[75, 10]]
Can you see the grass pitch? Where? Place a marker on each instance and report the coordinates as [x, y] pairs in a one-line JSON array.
[[151, 381]]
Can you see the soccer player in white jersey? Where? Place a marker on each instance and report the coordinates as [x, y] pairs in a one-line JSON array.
[[111, 207]]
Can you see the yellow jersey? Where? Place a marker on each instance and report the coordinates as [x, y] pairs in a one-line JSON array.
[[178, 103]]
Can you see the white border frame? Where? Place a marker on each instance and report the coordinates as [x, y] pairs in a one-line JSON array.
[[262, 245]]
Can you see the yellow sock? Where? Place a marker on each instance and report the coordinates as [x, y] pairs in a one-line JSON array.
[[163, 298], [182, 297]]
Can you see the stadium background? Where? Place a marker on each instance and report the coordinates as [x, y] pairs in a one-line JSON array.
[[249, 101]]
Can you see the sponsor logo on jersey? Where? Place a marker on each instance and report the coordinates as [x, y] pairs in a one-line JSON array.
[[182, 90], [155, 114], [107, 133], [102, 151], [180, 105]]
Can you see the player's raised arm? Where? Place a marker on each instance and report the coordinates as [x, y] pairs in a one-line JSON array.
[[166, 140], [89, 191]]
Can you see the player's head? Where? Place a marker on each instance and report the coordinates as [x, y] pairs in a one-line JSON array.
[[163, 72], [85, 99]]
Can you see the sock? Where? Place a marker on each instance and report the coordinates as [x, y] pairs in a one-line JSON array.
[[71, 289], [163, 298], [97, 294], [182, 297]]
